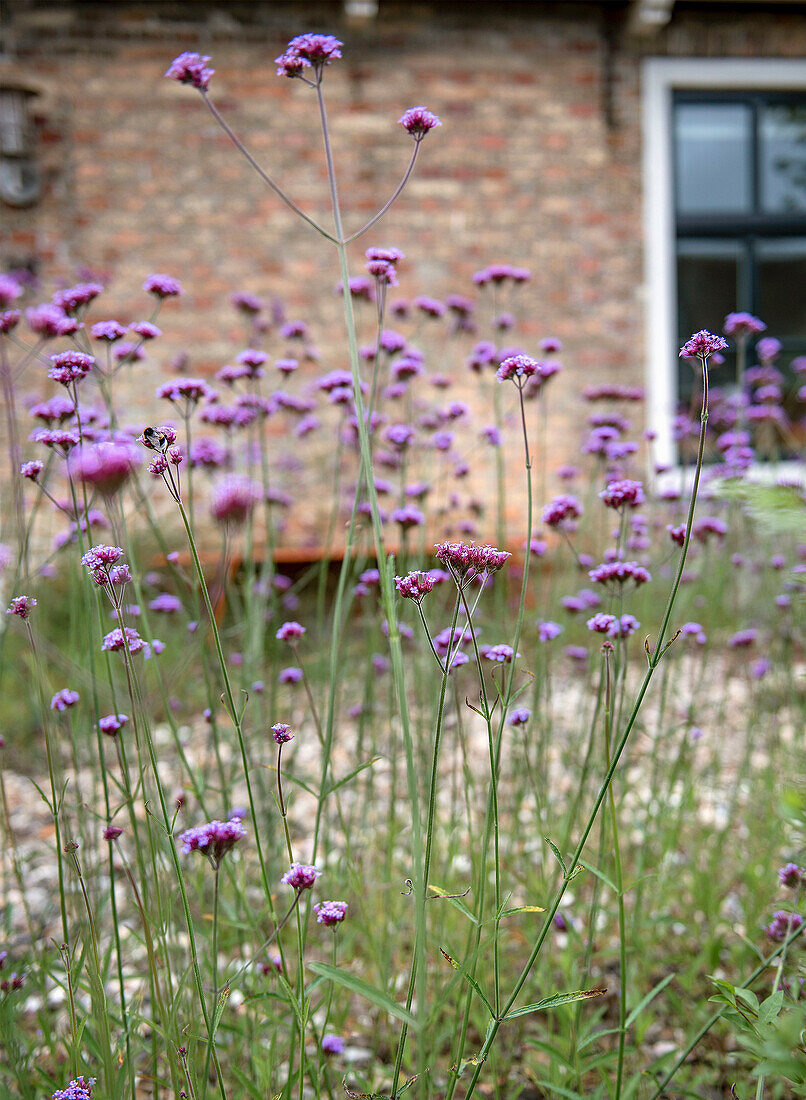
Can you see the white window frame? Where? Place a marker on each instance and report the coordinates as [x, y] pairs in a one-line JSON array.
[[660, 78]]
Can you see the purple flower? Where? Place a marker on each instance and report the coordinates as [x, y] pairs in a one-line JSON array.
[[306, 50], [190, 390], [213, 839], [282, 733], [546, 631], [792, 876], [623, 494], [768, 348], [21, 606], [290, 675], [503, 654], [64, 699], [163, 286], [112, 832], [116, 640], [702, 344], [166, 603], [234, 499], [108, 330], [562, 512], [457, 660], [190, 68], [10, 289], [519, 717], [32, 470], [290, 631], [782, 925], [742, 638], [112, 724], [78, 1089], [330, 913], [301, 876], [466, 561], [408, 517], [417, 121], [619, 572], [742, 325], [332, 1044], [49, 320], [492, 435], [414, 586], [693, 630], [517, 368], [70, 366], [9, 319], [106, 466], [677, 534]]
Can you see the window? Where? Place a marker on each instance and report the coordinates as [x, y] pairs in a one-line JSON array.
[[739, 163], [724, 165]]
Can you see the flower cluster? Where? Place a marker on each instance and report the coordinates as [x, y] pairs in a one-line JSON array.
[[623, 494], [414, 586], [64, 699], [620, 572], [78, 1089], [330, 913], [282, 733], [517, 368], [21, 606], [562, 513], [308, 51], [213, 839], [417, 121], [466, 561], [702, 344], [70, 366], [191, 68], [117, 640], [783, 924], [612, 625], [301, 876]]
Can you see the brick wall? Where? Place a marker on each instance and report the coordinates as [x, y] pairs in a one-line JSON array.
[[537, 163]]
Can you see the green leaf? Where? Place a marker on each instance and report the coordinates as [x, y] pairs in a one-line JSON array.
[[556, 1001], [364, 989], [351, 775], [639, 1008], [523, 909], [769, 1009], [749, 998], [470, 981], [558, 1090], [556, 851], [600, 875], [292, 999], [223, 997]]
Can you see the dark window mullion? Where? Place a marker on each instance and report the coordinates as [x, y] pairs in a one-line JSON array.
[[755, 154]]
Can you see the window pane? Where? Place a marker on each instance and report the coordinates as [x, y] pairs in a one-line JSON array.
[[710, 276], [783, 157], [781, 276], [713, 158]]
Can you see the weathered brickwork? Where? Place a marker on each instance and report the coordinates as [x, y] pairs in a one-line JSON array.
[[537, 163]]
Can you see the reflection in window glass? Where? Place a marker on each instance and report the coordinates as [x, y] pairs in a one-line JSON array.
[[712, 146], [781, 275], [783, 157]]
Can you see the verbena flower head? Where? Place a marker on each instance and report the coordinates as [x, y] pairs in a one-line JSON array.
[[742, 325], [623, 494], [290, 631], [503, 654], [76, 297], [332, 1044], [466, 561], [112, 724], [517, 368], [64, 699], [78, 1089], [32, 470], [162, 286], [21, 606], [112, 832], [234, 500], [213, 839], [70, 366], [115, 640], [519, 717], [290, 675], [9, 319], [620, 572], [702, 344], [106, 466], [306, 51], [742, 638], [282, 733], [417, 121], [612, 625], [301, 876], [792, 876], [414, 586], [109, 331], [330, 913], [547, 631], [189, 390], [562, 512], [783, 924], [190, 68]]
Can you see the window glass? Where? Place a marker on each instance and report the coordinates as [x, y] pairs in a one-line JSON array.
[[781, 278], [782, 129], [710, 276], [713, 158]]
